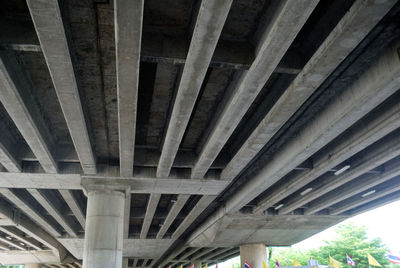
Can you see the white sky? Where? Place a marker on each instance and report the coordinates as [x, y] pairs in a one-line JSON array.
[[383, 222]]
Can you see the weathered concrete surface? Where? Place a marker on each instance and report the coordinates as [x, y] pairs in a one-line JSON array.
[[49, 26], [23, 110], [356, 24], [362, 135], [18, 257], [128, 37], [150, 210], [253, 254], [209, 24], [277, 38], [104, 229]]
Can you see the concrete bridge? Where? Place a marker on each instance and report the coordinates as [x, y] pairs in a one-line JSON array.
[[168, 132]]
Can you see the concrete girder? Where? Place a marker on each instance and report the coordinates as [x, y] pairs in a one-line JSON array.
[[278, 36], [8, 154], [173, 213], [372, 157], [49, 27], [358, 200], [209, 24], [350, 31], [52, 210], [20, 236], [379, 82], [152, 204], [127, 213], [128, 16], [201, 205], [30, 212], [143, 157], [12, 243], [24, 111], [377, 203], [363, 134], [188, 253], [392, 169], [73, 205]]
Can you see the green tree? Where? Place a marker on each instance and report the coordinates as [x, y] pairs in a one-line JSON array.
[[353, 240], [350, 239]]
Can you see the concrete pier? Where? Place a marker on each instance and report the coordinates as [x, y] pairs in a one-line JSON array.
[[104, 229], [254, 254]]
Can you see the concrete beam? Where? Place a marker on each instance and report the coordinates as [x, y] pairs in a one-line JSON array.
[[29, 211], [359, 200], [363, 134], [370, 158], [28, 227], [201, 205], [127, 213], [188, 253], [376, 203], [152, 204], [278, 36], [14, 232], [350, 31], [352, 188], [128, 16], [74, 206], [23, 110], [209, 24], [143, 183], [50, 30], [379, 82], [12, 243], [8, 151], [173, 213], [52, 210]]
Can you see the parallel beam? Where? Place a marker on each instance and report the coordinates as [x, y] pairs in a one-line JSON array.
[[128, 17], [12, 243], [18, 202], [127, 214], [24, 111], [353, 188], [201, 205], [151, 209], [46, 16], [277, 38], [74, 206], [209, 24], [354, 26], [370, 158], [173, 213], [363, 134], [54, 212], [8, 154], [360, 200], [19, 235], [379, 82]]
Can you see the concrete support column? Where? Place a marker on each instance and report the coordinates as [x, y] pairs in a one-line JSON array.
[[197, 264], [33, 265], [254, 254], [125, 262], [104, 228]]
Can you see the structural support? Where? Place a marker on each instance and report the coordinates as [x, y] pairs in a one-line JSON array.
[[254, 254], [46, 16], [104, 228], [151, 209], [197, 264], [23, 110], [276, 40], [33, 265], [209, 24], [128, 36], [354, 26]]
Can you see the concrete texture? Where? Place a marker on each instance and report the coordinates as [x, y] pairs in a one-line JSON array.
[[104, 224], [128, 36], [209, 24], [253, 254], [277, 38]]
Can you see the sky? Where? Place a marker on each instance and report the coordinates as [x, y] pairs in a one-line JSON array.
[[383, 222]]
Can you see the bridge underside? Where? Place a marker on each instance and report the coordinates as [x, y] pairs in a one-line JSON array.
[[221, 123]]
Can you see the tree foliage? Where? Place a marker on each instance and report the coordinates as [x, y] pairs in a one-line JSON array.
[[350, 239]]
